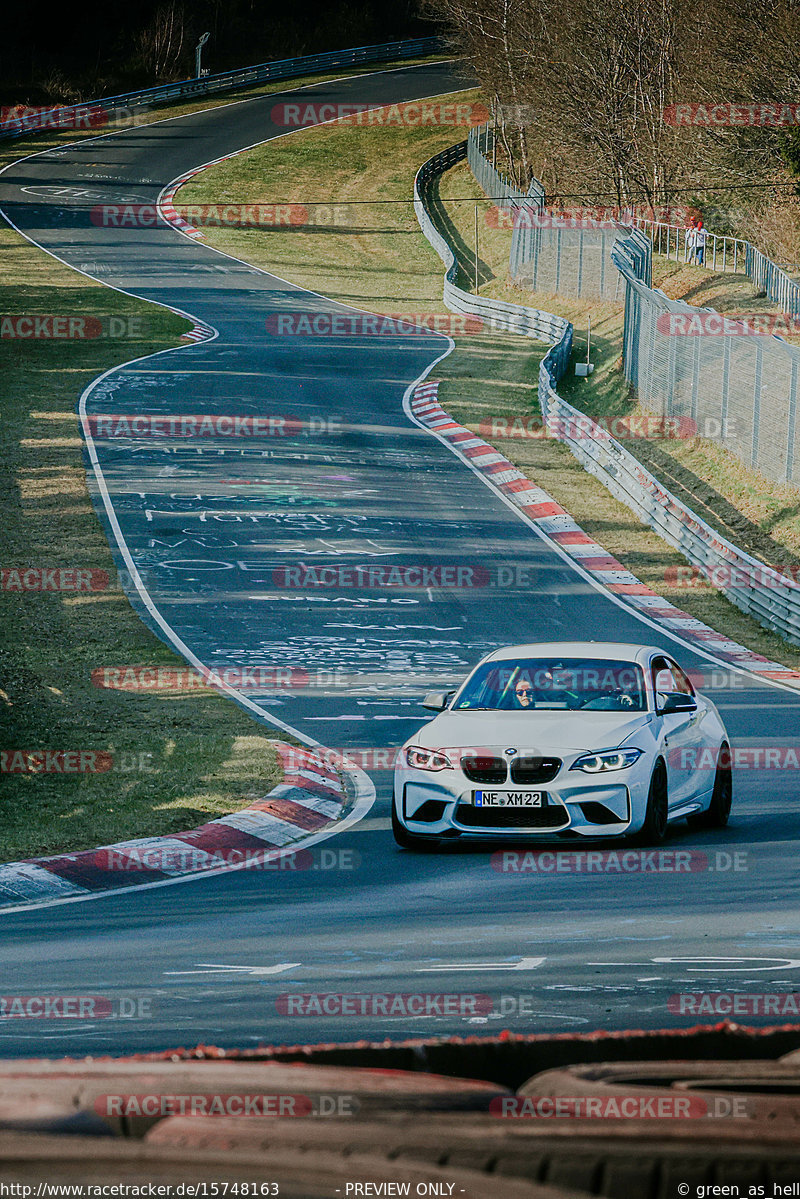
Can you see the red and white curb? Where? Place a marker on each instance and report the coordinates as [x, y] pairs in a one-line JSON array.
[[168, 211], [310, 800], [166, 201], [558, 526], [198, 332]]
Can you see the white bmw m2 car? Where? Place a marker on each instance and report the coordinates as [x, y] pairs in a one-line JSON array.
[[569, 739]]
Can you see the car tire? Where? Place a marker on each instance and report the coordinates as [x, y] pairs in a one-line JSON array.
[[656, 816], [407, 840], [717, 813]]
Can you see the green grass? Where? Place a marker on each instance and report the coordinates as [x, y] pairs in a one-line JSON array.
[[381, 261], [178, 760], [365, 254]]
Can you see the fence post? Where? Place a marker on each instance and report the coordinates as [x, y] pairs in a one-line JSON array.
[[559, 239], [695, 378], [757, 403], [726, 383], [580, 263], [792, 420]]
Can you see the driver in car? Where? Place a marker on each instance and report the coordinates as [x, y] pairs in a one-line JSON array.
[[523, 693]]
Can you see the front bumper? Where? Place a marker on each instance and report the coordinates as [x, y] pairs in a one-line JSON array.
[[441, 804]]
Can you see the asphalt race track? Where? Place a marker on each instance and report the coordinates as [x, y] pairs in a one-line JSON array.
[[210, 526]]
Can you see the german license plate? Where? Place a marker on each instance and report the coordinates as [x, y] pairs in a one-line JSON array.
[[510, 799]]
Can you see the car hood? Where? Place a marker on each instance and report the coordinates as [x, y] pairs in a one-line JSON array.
[[546, 732]]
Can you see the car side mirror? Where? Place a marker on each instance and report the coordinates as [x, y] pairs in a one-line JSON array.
[[437, 701], [678, 701]]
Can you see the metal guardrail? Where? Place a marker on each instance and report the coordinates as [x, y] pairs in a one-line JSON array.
[[762, 592], [756, 589], [722, 252], [729, 254], [496, 314], [120, 107]]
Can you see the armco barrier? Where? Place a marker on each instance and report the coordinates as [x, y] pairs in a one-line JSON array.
[[508, 318], [287, 68], [763, 593], [775, 603]]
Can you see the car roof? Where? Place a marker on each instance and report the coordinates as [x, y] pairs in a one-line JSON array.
[[602, 650]]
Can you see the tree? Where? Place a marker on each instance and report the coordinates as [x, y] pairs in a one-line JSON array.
[[161, 42]]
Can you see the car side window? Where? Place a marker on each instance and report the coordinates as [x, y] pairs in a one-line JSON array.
[[663, 679], [682, 682]]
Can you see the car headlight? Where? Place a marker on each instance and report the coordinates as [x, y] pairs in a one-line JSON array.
[[607, 759], [427, 759]]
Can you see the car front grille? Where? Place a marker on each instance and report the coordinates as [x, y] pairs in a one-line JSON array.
[[484, 768], [534, 770], [552, 817]]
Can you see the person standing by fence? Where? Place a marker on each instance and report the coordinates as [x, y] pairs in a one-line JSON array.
[[689, 238], [700, 243]]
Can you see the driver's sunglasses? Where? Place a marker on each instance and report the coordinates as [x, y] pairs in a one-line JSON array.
[[524, 690]]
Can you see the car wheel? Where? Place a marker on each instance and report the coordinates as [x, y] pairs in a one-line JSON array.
[[407, 840], [654, 828], [717, 813]]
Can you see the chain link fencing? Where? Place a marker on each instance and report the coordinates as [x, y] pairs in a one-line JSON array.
[[547, 255], [731, 379], [739, 387]]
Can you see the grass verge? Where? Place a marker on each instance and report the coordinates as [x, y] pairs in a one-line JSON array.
[[176, 761], [376, 258]]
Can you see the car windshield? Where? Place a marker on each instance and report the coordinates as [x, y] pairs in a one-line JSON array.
[[570, 684]]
